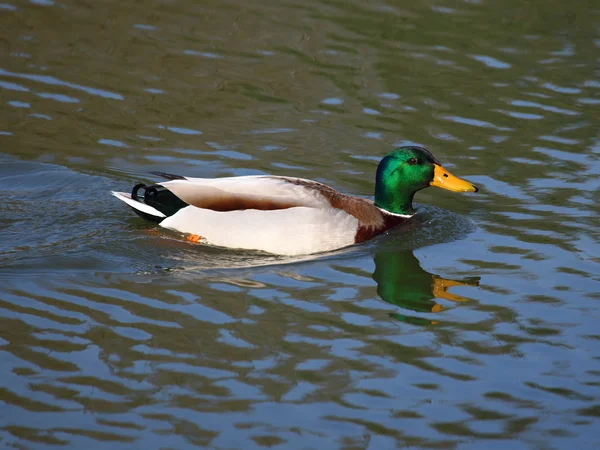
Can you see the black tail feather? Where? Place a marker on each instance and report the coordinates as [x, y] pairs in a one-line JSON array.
[[160, 198]]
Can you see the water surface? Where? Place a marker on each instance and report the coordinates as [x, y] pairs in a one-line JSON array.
[[476, 327]]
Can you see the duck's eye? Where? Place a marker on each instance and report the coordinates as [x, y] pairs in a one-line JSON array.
[[412, 161]]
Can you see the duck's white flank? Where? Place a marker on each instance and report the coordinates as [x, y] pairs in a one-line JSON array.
[[291, 231]]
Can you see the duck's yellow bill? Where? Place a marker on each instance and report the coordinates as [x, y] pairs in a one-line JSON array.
[[445, 180]]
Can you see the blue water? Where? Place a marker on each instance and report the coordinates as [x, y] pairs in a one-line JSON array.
[[473, 327]]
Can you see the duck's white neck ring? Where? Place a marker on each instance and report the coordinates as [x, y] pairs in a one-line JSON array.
[[406, 216]]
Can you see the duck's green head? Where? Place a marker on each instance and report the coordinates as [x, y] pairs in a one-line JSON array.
[[405, 171]]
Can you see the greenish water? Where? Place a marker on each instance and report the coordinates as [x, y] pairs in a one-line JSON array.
[[475, 327]]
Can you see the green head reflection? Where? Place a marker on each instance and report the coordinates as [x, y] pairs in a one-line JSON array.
[[403, 282]]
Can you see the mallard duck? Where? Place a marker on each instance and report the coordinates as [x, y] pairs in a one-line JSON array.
[[290, 216]]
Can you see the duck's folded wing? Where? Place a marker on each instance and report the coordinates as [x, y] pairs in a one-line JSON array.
[[249, 192]]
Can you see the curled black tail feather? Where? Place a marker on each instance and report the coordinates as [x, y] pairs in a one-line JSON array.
[[160, 198]]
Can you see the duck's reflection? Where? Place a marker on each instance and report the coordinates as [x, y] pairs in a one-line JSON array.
[[402, 281]]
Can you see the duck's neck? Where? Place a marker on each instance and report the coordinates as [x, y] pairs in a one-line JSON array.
[[394, 200]]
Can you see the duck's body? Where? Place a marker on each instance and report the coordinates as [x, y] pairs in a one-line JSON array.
[[281, 215]]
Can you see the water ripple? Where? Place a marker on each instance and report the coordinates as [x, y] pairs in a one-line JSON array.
[[46, 79], [114, 332]]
